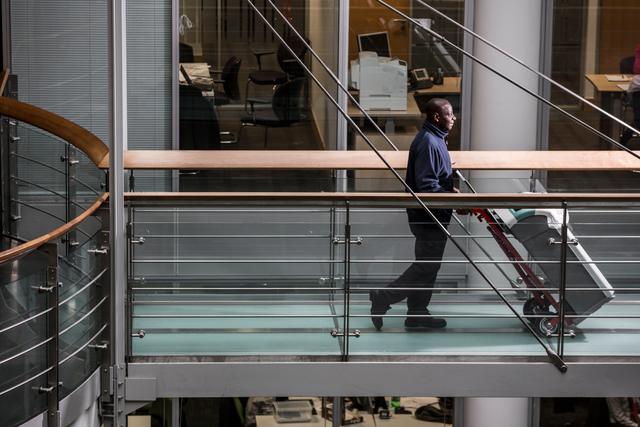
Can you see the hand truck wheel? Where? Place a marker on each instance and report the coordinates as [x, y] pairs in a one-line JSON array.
[[547, 326]]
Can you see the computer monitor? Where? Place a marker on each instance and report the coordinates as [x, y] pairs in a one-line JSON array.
[[375, 42]]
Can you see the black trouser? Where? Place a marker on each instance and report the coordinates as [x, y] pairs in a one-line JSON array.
[[429, 246], [635, 103]]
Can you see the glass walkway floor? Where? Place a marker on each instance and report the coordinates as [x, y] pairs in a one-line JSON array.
[[255, 330]]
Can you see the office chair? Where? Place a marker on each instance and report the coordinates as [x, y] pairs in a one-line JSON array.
[[229, 91], [226, 89], [626, 65], [286, 108], [289, 65], [199, 128], [186, 53]]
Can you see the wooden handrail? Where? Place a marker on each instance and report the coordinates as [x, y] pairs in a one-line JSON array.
[[76, 135], [31, 245], [65, 129], [362, 160], [450, 199]]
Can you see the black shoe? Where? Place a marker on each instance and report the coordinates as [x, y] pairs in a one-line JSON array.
[[418, 323], [378, 308]]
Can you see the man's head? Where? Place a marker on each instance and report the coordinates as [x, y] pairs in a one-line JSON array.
[[440, 113]]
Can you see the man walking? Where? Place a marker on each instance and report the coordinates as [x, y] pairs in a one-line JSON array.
[[428, 171]]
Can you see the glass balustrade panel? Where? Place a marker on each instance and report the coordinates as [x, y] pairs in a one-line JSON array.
[[602, 292], [465, 316], [39, 189], [235, 281], [32, 401], [23, 337]]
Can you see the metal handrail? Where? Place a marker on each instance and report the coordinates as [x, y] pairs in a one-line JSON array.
[[22, 353], [29, 159], [399, 200], [28, 319], [269, 289], [87, 314], [87, 142], [82, 347], [10, 389], [69, 298], [31, 245], [369, 261], [46, 190], [367, 316], [30, 206], [35, 316]]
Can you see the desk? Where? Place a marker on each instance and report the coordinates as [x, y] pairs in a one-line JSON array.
[[397, 420], [610, 100], [450, 86]]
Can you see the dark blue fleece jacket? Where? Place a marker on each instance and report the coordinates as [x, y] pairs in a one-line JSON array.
[[429, 166], [429, 170]]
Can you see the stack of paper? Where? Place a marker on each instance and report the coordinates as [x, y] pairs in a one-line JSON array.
[[617, 77]]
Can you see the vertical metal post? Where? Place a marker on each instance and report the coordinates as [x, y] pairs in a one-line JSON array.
[[5, 177], [72, 179], [10, 191], [563, 279], [333, 280], [175, 412], [117, 225], [338, 411], [53, 355], [458, 411], [67, 196], [106, 380], [534, 412], [347, 281], [130, 274], [70, 170]]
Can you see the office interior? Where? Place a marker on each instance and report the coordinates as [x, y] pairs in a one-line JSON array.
[[212, 75], [580, 38]]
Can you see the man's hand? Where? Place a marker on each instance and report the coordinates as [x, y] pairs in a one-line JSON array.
[[461, 211]]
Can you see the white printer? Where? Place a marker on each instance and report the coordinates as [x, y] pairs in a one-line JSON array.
[[382, 82]]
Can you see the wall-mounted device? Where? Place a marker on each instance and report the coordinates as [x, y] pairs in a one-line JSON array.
[[419, 79]]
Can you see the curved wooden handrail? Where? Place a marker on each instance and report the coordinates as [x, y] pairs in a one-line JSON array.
[[31, 245], [363, 160], [76, 135]]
